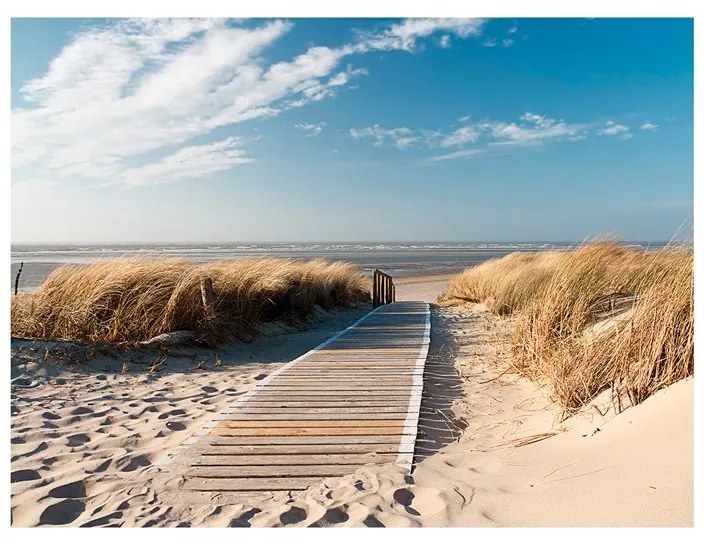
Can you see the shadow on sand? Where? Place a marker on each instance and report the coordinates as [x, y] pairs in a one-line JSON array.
[[442, 386]]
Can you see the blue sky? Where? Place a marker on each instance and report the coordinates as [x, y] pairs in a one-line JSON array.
[[346, 130]]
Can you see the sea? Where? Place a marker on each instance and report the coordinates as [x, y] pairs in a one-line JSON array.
[[396, 259]]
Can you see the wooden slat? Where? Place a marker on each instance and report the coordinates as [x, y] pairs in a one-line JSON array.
[[273, 402], [299, 440], [277, 471], [312, 417], [251, 484], [290, 423], [314, 431], [214, 449], [297, 460]]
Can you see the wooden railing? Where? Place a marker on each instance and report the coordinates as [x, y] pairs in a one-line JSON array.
[[384, 291]]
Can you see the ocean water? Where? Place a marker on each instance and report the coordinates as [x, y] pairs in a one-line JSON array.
[[397, 259]]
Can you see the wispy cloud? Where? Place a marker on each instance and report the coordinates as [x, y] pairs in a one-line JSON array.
[[506, 42], [615, 129], [191, 162], [119, 93], [313, 129], [401, 137], [531, 130], [648, 126], [461, 154], [404, 35]]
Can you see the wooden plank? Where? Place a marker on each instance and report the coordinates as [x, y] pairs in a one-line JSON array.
[[298, 440], [335, 395], [290, 423], [338, 386], [307, 410], [310, 431], [276, 450], [251, 484], [283, 416], [274, 402], [297, 459], [278, 471]]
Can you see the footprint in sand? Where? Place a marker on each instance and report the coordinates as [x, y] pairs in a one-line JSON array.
[[405, 498], [74, 490], [62, 512], [132, 463], [24, 476], [293, 515], [51, 415], [209, 389], [371, 521], [98, 522], [244, 519], [76, 440], [332, 516], [260, 376], [429, 501], [175, 426], [81, 411]]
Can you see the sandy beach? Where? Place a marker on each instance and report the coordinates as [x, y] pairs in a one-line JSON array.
[[490, 452]]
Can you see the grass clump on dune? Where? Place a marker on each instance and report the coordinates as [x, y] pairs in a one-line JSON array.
[[138, 299], [597, 317]]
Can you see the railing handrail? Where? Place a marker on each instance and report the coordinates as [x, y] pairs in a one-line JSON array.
[[384, 290]]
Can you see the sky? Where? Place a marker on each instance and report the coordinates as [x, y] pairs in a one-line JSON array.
[[201, 130]]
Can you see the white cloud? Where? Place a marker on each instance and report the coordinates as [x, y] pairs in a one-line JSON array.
[[490, 42], [444, 41], [461, 154], [648, 126], [460, 136], [119, 92], [401, 137], [531, 130], [191, 162], [506, 42], [513, 29], [313, 129], [614, 129], [405, 34]]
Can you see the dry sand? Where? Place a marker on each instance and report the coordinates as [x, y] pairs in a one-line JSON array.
[[491, 450]]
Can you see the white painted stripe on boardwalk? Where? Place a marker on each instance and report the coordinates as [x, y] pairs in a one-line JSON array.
[[410, 426], [205, 429]]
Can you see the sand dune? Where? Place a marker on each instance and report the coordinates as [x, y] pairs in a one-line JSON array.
[[490, 450]]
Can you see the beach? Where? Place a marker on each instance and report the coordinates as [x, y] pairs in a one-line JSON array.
[[491, 449]]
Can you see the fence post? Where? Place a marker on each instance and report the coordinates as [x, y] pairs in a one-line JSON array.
[[17, 279]]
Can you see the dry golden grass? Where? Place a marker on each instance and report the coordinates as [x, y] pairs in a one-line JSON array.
[[597, 317], [137, 299]]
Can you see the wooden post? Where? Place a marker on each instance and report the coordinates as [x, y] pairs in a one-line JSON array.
[[17, 279], [375, 289]]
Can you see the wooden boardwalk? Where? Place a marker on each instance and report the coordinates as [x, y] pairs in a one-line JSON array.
[[351, 401]]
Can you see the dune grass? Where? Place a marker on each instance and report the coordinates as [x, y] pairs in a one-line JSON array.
[[600, 316], [138, 299]]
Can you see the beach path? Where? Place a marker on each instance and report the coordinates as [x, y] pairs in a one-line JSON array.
[[351, 401]]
